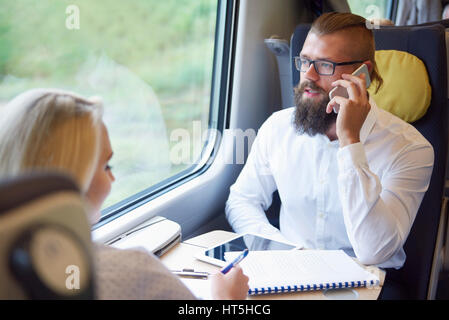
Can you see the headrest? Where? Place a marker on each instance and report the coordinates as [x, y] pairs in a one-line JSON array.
[[406, 91], [45, 252]]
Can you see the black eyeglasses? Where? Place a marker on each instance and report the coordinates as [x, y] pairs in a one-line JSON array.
[[322, 67]]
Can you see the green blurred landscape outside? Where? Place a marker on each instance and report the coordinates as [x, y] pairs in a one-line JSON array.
[[370, 9], [150, 60]]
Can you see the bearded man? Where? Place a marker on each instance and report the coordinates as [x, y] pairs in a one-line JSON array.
[[351, 180]]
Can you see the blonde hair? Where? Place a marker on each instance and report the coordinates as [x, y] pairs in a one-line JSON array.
[[331, 22], [49, 129]]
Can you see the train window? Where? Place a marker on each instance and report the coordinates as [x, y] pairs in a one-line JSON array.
[[151, 61], [371, 9]]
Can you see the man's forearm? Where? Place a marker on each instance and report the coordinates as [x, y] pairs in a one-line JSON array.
[[245, 217], [378, 216]]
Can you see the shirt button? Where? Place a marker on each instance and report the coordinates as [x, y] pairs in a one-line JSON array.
[[320, 215]]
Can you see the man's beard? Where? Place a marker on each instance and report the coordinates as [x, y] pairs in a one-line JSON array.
[[310, 115]]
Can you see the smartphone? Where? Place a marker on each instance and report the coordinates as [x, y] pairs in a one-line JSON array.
[[342, 92]]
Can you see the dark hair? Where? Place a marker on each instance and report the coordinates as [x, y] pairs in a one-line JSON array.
[[332, 22]]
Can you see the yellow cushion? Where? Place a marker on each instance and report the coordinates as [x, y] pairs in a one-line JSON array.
[[406, 90]]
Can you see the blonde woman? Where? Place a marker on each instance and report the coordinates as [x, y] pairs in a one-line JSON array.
[[48, 129]]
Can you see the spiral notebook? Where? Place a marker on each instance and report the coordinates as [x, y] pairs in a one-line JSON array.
[[302, 270]]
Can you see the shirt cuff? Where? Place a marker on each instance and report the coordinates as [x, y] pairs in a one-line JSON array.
[[351, 156]]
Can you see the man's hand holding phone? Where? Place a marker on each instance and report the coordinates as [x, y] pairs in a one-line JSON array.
[[353, 109]]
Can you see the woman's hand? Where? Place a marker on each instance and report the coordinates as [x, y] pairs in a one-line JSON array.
[[230, 286], [353, 111]]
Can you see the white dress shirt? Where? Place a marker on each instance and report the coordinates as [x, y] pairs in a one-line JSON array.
[[362, 198]]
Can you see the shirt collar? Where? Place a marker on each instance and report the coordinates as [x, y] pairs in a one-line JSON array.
[[369, 121]]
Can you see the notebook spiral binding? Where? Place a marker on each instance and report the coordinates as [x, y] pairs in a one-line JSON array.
[[337, 285]]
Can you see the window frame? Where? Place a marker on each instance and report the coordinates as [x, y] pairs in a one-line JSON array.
[[219, 100], [393, 9]]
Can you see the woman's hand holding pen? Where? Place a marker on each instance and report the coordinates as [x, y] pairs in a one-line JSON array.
[[230, 286]]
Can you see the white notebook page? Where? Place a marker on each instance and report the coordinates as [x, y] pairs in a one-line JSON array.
[[269, 269]]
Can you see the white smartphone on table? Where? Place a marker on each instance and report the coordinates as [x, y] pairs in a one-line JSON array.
[[342, 92], [216, 255]]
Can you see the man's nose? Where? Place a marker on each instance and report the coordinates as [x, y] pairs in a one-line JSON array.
[[311, 73]]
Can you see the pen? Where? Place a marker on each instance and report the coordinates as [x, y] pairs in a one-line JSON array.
[[236, 261], [191, 273]]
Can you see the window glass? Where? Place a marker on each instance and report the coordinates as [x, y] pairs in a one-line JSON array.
[[150, 60], [370, 9]]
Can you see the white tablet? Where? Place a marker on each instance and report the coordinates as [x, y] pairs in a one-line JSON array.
[[216, 254]]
